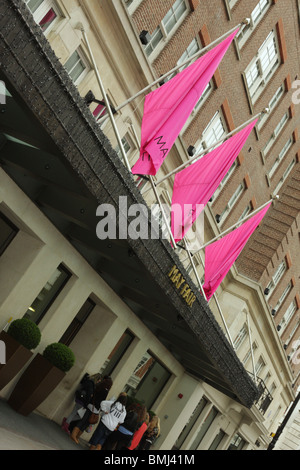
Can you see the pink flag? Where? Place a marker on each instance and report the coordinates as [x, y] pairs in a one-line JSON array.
[[220, 255], [195, 185], [167, 108]]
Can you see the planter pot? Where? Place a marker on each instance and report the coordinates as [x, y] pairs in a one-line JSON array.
[[16, 357], [36, 383]]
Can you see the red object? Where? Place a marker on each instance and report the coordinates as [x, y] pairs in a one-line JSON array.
[[138, 436], [180, 395], [48, 18]]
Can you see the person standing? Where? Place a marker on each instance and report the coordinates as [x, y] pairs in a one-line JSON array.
[[93, 406], [83, 395], [151, 434], [139, 434], [114, 414], [121, 438]]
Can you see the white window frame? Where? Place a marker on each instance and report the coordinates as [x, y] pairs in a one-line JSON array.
[[246, 211], [283, 296], [288, 340], [272, 105], [224, 180], [84, 61], [260, 364], [232, 202], [283, 121], [255, 17], [282, 267], [42, 10], [128, 146], [241, 336], [258, 73], [284, 176], [281, 156], [231, 3], [132, 5], [291, 310], [156, 45], [215, 130]]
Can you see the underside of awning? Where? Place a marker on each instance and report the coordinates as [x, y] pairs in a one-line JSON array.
[[52, 147]]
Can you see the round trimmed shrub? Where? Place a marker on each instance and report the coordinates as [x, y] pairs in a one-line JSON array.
[[26, 332], [60, 356]]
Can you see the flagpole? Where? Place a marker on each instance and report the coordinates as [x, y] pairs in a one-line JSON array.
[[235, 225], [218, 307], [194, 56], [190, 257], [156, 194], [81, 28], [251, 347], [195, 157]]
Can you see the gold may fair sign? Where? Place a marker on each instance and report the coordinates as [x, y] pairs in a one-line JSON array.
[[184, 289]]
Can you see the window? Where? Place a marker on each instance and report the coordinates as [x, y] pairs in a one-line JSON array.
[[237, 443], [77, 66], [283, 296], [8, 231], [147, 380], [262, 67], [117, 353], [240, 337], [128, 146], [132, 5], [232, 201], [48, 294], [259, 365], [284, 176], [276, 278], [272, 105], [45, 13], [225, 179], [231, 3], [280, 157], [204, 428], [288, 340], [287, 316], [77, 323], [190, 51], [174, 15], [255, 17], [248, 355], [276, 133], [171, 20], [214, 131], [189, 425], [217, 440], [246, 211]]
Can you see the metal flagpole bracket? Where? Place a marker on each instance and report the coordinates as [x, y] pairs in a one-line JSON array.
[[246, 21]]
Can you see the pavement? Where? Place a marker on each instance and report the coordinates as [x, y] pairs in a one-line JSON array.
[[33, 432]]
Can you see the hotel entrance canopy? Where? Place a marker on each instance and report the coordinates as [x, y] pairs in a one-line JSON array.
[[52, 147]]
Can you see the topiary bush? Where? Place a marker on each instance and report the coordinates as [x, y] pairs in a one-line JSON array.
[[60, 356], [26, 332]]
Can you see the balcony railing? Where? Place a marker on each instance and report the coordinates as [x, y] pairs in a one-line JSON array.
[[265, 397]]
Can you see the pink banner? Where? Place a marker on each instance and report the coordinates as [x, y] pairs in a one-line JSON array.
[[167, 108], [195, 185], [220, 255]]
